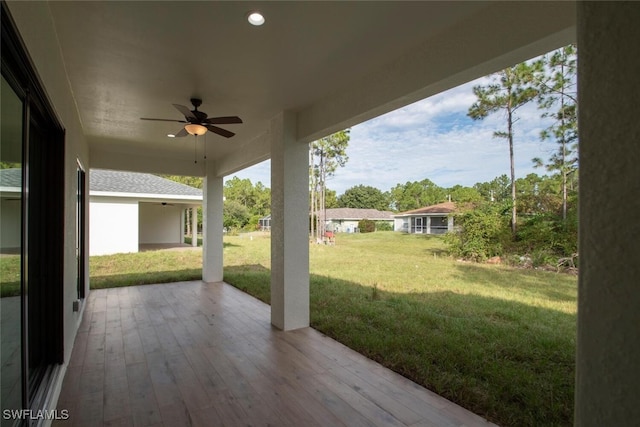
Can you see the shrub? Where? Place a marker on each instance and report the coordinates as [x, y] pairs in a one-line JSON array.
[[384, 226], [366, 226], [480, 233], [547, 238]]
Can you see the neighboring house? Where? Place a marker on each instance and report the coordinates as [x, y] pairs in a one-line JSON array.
[[265, 223], [10, 206], [129, 209], [434, 219], [345, 220]]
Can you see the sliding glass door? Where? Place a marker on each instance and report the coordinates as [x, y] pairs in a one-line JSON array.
[[32, 166], [11, 265]]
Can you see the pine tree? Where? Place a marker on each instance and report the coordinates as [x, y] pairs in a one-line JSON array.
[[510, 90], [557, 83], [325, 156]]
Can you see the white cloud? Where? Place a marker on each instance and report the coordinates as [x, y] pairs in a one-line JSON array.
[[434, 139]]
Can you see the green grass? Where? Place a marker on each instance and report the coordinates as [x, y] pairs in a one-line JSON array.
[[9, 275], [111, 271], [497, 340]]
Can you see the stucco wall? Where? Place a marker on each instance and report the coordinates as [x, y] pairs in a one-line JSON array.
[[607, 368], [114, 226], [159, 224]]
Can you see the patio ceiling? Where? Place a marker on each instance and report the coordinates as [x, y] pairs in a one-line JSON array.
[[333, 63]]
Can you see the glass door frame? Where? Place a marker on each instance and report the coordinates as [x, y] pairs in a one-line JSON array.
[[43, 189]]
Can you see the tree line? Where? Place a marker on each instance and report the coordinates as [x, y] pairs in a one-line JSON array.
[[535, 215]]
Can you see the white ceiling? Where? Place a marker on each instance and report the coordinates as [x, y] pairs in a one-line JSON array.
[[335, 63]]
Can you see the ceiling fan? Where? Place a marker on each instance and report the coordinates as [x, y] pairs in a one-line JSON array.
[[198, 123]]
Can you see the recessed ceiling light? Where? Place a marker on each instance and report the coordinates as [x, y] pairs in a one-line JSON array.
[[170, 135], [255, 18]]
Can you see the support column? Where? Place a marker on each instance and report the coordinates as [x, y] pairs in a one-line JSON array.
[[289, 225], [212, 225], [428, 225], [183, 224], [607, 368], [194, 226]]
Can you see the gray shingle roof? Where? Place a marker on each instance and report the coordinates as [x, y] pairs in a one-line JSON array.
[[11, 177], [139, 183], [352, 213]]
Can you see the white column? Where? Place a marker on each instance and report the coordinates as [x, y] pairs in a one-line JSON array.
[[194, 226], [212, 226], [450, 223], [289, 225], [608, 354], [428, 225], [183, 225]]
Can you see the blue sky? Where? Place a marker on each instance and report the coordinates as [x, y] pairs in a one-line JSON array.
[[433, 139]]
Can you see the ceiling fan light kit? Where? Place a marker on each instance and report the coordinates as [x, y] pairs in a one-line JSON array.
[[198, 123], [195, 129]]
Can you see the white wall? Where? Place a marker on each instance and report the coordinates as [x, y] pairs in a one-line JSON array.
[[114, 226], [10, 223], [160, 224], [401, 224]]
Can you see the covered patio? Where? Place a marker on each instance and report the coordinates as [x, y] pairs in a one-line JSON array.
[[79, 77], [204, 354]]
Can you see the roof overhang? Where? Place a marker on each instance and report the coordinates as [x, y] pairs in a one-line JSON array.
[[333, 64], [146, 197]]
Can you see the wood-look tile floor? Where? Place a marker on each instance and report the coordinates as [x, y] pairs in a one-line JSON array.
[[205, 354]]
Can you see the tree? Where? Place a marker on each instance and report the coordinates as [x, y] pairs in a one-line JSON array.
[[257, 199], [557, 82], [235, 214], [325, 156], [496, 190], [510, 90], [461, 194], [414, 195], [330, 199], [363, 197], [192, 181], [538, 195]]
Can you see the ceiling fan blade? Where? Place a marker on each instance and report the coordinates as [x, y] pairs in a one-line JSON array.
[[185, 111], [224, 120], [183, 132], [164, 120], [220, 131]]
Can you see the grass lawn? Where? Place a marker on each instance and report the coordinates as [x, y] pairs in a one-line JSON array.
[[496, 340]]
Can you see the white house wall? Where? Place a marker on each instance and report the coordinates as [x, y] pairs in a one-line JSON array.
[[401, 224], [114, 226], [160, 224], [10, 223]]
